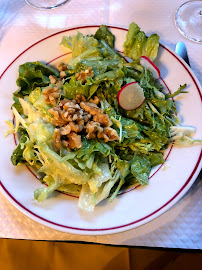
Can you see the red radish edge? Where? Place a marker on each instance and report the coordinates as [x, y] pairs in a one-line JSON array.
[[137, 90], [151, 66]]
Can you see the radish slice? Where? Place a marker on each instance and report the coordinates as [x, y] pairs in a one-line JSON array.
[[131, 96], [147, 63]]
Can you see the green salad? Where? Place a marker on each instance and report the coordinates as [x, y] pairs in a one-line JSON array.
[[72, 130]]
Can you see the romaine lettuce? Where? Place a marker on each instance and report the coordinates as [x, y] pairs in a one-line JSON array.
[[104, 34], [137, 44]]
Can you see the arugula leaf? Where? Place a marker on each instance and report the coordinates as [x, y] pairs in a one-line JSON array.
[[165, 106], [178, 91], [157, 139], [110, 83], [91, 146], [142, 164], [141, 168]]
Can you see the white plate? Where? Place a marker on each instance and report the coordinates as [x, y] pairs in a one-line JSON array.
[[129, 210]]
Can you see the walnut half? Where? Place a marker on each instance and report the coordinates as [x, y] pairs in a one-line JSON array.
[[108, 134], [51, 94]]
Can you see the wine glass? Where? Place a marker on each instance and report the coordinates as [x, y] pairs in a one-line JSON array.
[[188, 20], [46, 4]]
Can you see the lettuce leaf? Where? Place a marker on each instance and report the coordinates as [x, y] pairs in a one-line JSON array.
[[104, 34], [142, 165], [32, 75], [127, 127], [34, 95], [31, 112], [98, 179], [61, 171], [17, 105], [99, 65], [92, 52], [40, 131], [109, 52], [73, 87], [92, 146], [88, 200], [83, 47], [137, 44], [79, 43], [29, 152], [17, 155], [151, 47], [133, 30]]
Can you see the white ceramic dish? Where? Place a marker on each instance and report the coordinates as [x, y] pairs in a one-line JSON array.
[[131, 209]]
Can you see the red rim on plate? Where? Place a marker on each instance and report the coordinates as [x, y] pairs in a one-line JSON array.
[[123, 227]]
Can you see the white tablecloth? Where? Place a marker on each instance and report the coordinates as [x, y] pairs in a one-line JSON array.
[[21, 25]]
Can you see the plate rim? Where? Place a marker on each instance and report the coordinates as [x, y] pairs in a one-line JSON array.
[[124, 227]]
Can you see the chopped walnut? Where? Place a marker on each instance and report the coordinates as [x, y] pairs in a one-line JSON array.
[[65, 130], [65, 143], [81, 123], [90, 107], [66, 116], [80, 98], [74, 140], [77, 115], [108, 134], [71, 104], [103, 119], [62, 74], [82, 76], [96, 100], [53, 79], [75, 127], [91, 128], [63, 101], [86, 116], [51, 94], [57, 119], [62, 67]]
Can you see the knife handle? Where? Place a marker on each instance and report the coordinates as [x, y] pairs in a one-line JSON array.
[[181, 50]]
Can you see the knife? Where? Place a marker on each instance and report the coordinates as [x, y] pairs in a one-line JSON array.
[[181, 50]]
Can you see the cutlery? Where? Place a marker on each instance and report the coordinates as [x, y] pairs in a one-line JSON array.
[[181, 50]]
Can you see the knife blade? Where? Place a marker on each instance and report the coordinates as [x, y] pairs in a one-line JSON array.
[[181, 50]]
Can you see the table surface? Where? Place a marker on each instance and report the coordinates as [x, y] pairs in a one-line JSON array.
[[20, 26]]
